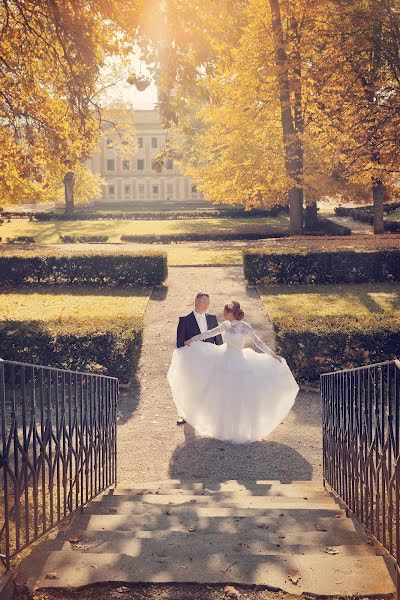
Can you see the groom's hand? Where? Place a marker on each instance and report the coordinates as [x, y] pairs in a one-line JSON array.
[[188, 342]]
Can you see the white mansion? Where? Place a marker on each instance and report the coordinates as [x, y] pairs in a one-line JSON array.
[[136, 178]]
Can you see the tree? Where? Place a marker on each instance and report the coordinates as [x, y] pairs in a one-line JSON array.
[[357, 84], [51, 55]]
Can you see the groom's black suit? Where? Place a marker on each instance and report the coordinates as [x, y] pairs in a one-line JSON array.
[[188, 327]]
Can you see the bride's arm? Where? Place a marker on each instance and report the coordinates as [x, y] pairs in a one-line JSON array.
[[207, 334], [260, 344]]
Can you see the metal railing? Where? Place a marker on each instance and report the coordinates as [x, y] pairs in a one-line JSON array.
[[58, 431], [361, 452]]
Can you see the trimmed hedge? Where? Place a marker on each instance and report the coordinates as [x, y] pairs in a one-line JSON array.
[[110, 347], [314, 347], [201, 237], [211, 213], [133, 269], [84, 239], [327, 227], [345, 266], [364, 214], [21, 239]]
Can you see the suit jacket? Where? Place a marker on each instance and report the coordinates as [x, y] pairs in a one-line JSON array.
[[188, 327]]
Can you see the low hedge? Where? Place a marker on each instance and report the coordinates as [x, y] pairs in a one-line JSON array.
[[211, 213], [84, 239], [201, 237], [131, 269], [365, 214], [343, 266], [313, 347], [21, 239], [327, 227], [110, 347]]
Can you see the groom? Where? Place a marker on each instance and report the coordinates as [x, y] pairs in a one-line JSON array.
[[194, 323]]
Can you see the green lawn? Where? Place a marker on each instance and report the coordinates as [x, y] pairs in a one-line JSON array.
[[70, 308], [393, 216], [49, 232], [322, 301]]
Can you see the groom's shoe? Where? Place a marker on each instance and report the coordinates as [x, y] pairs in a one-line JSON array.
[[180, 421]]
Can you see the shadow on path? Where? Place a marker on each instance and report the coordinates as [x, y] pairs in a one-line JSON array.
[[266, 460]]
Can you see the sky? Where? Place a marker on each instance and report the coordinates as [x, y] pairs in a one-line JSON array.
[[123, 91]]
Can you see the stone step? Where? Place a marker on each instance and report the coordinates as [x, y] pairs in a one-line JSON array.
[[124, 504], [287, 491], [180, 546], [256, 486], [295, 536], [298, 574], [178, 511], [223, 522]]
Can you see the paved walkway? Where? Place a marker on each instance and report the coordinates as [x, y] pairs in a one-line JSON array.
[[151, 446]]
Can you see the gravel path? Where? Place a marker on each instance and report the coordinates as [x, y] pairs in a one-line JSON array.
[[150, 444]]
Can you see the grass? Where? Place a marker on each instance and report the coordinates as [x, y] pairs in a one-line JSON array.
[[49, 232], [324, 301], [393, 216], [68, 308]]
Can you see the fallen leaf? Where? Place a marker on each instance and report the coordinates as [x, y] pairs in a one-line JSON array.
[[331, 551], [75, 540], [192, 528], [52, 575]]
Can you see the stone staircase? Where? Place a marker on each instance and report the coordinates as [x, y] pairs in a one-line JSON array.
[[292, 537]]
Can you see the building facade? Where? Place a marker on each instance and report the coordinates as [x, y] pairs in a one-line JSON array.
[[136, 178]]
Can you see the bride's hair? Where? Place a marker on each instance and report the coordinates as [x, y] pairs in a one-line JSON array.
[[234, 308]]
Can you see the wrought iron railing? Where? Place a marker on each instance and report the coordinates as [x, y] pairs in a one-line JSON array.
[[58, 431], [361, 452]]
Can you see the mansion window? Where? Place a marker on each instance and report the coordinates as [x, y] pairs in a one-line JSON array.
[[111, 189], [154, 142], [110, 164], [140, 164], [126, 165], [170, 189], [155, 188], [170, 163], [140, 142], [127, 189], [141, 188], [194, 189]]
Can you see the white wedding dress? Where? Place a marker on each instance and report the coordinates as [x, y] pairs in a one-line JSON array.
[[230, 392]]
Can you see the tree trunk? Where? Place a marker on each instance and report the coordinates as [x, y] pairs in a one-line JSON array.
[[311, 215], [291, 141], [295, 197], [69, 182], [378, 195]]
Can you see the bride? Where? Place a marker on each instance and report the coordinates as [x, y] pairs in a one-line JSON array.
[[230, 392]]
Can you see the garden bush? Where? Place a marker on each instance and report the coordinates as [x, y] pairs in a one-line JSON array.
[[100, 268], [315, 346], [88, 239], [365, 214], [109, 347], [202, 237], [207, 213], [21, 239], [327, 227], [343, 266]]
